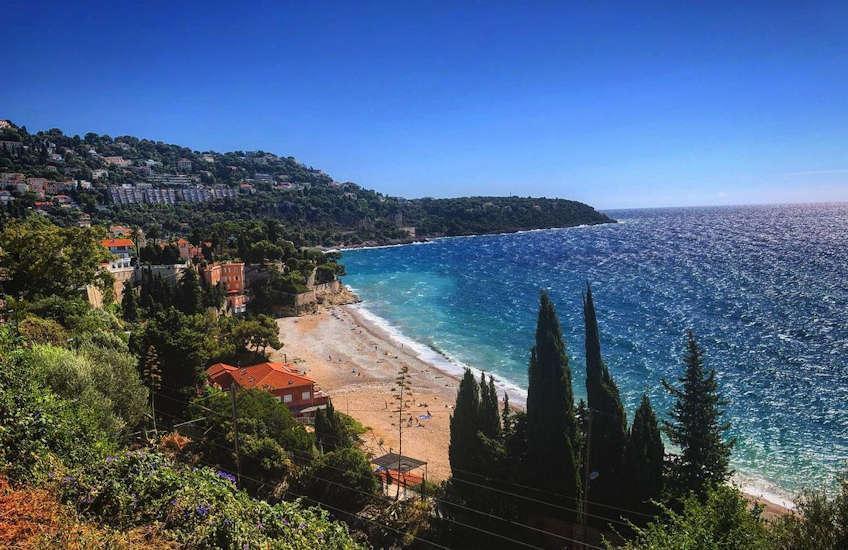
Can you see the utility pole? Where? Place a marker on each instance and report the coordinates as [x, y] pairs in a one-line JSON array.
[[236, 433], [586, 467], [153, 412]]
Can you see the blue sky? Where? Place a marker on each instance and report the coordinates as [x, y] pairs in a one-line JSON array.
[[617, 104]]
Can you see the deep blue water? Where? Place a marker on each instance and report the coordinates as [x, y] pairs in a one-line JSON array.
[[764, 288]]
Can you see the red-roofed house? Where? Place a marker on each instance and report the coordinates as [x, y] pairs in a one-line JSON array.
[[121, 248], [297, 392], [120, 266]]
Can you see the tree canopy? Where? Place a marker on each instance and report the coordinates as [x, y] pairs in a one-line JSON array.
[[40, 259]]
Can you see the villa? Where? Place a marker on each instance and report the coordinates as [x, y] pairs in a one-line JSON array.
[[296, 391]]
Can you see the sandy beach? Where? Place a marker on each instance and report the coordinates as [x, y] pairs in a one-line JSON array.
[[356, 363]]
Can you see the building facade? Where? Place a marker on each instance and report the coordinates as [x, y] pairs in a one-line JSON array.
[[297, 392]]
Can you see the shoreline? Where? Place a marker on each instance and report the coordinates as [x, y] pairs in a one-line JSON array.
[[430, 239], [354, 356]]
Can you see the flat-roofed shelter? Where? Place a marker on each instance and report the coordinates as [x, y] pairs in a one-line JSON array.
[[397, 469]]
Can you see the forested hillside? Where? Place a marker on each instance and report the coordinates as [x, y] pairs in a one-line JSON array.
[[169, 188]]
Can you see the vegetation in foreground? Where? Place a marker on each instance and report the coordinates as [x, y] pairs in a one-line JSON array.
[[87, 394]]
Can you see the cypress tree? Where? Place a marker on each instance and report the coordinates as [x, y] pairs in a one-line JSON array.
[[129, 305], [644, 460], [506, 414], [190, 294], [330, 430], [551, 462], [696, 426], [321, 426], [145, 296], [464, 424], [609, 425], [489, 418]]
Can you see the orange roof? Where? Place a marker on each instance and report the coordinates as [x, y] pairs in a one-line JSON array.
[[116, 243], [219, 368], [268, 376]]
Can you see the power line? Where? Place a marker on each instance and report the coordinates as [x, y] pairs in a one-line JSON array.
[[531, 499], [449, 503], [388, 500], [559, 495], [554, 494]]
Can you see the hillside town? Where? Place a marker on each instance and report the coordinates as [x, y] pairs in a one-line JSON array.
[[124, 179], [233, 278]]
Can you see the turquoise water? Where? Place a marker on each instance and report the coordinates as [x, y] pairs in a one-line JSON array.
[[764, 288]]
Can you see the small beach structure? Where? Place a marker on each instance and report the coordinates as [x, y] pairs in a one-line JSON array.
[[299, 393], [394, 469]]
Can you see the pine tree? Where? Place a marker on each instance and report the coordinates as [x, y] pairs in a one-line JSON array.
[[489, 418], [190, 294], [464, 424], [129, 304], [609, 425], [644, 460], [696, 426], [551, 462]]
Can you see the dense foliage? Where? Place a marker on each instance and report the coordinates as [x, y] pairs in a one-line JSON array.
[[643, 462], [41, 259], [723, 520], [310, 208], [76, 393], [200, 507]]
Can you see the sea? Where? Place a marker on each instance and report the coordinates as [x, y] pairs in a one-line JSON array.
[[764, 288]]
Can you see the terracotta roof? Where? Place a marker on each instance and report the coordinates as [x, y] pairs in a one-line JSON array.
[[269, 376], [115, 243], [219, 368]]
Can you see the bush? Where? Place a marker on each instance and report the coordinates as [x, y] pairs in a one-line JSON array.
[[35, 330], [342, 478], [724, 521], [820, 521], [107, 388], [270, 439], [36, 424], [199, 507]]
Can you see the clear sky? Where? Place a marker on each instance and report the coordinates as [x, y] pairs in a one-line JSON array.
[[620, 104]]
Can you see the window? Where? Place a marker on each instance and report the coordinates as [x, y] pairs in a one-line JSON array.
[[287, 398], [305, 395]]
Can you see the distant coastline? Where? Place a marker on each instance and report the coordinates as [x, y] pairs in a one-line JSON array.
[[432, 238]]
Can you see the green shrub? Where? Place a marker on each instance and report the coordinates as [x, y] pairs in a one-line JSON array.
[[820, 521], [271, 441], [724, 521], [199, 507], [35, 330], [342, 479], [36, 424], [105, 385]]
